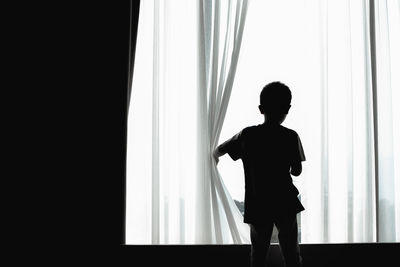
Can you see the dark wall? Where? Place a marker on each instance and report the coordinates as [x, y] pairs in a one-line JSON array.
[[70, 155], [98, 162], [76, 174]]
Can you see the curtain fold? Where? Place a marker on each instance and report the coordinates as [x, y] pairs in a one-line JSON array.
[[386, 34], [188, 57], [215, 86], [133, 26], [134, 7]]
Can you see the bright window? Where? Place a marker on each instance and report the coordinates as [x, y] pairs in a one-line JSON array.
[[321, 50]]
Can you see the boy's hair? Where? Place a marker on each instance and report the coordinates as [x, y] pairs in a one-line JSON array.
[[275, 96]]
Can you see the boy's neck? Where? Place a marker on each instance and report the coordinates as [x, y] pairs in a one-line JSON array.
[[269, 122], [274, 120]]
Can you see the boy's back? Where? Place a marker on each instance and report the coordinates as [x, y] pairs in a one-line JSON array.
[[267, 153]]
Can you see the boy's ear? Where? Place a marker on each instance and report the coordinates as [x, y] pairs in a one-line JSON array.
[[261, 108], [287, 111]]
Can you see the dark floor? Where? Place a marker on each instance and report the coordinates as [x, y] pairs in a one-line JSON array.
[[362, 254]]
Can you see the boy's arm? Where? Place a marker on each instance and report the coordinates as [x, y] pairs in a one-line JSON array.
[[298, 157], [232, 147]]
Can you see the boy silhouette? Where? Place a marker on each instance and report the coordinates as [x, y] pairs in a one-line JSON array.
[[270, 154]]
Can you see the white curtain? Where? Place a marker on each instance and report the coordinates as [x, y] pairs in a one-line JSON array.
[[339, 181], [187, 53], [355, 199], [346, 116], [387, 118], [217, 67]]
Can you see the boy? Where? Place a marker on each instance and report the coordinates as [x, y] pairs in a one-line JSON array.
[[270, 153]]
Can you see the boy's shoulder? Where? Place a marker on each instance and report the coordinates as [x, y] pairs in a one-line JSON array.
[[288, 130], [259, 127], [257, 132], [249, 130]]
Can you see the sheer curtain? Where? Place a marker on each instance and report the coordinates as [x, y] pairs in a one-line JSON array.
[[187, 52], [387, 118], [349, 185], [339, 181], [216, 76], [345, 89]]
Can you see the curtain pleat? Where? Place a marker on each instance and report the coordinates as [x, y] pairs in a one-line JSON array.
[[217, 85]]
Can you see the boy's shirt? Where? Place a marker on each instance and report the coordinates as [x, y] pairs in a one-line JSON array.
[[267, 153]]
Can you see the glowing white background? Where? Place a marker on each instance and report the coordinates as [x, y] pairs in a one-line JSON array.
[[281, 41]]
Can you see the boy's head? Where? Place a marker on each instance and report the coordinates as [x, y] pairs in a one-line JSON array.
[[275, 101]]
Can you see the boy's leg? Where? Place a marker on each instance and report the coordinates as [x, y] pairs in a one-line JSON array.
[[260, 235], [288, 241]]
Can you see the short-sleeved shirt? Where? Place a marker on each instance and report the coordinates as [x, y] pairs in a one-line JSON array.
[[267, 153]]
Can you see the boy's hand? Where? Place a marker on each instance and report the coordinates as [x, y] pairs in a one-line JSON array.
[[296, 168], [216, 155]]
